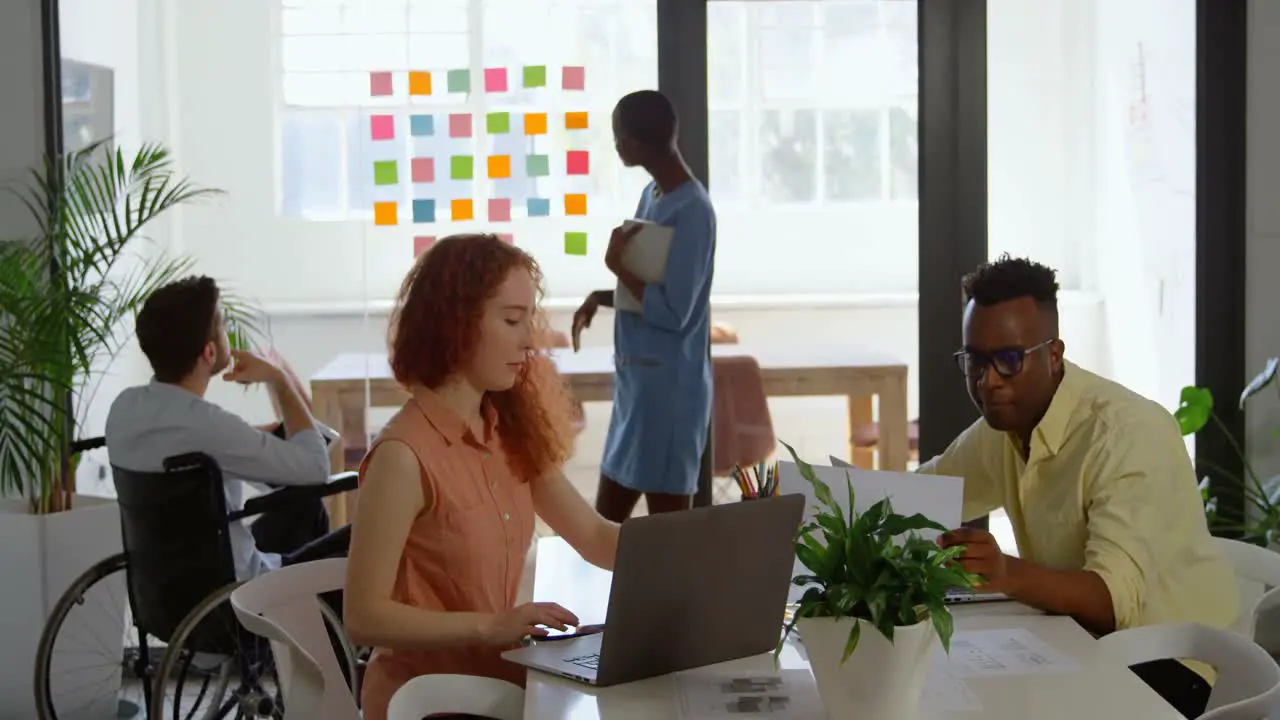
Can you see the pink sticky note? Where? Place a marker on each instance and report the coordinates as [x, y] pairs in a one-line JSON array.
[[495, 80], [507, 238], [573, 77], [500, 210], [421, 243], [383, 127], [578, 162], [460, 125], [380, 83], [423, 170]]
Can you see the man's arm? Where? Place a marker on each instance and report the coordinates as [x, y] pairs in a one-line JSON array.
[[966, 458], [670, 305], [245, 452]]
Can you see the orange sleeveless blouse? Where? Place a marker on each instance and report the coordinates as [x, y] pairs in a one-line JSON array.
[[465, 553]]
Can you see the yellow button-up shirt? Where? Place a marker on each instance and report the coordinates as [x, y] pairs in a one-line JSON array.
[[1107, 487]]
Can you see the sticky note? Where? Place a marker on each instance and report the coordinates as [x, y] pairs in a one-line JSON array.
[[500, 210], [507, 238], [535, 76], [459, 81], [499, 166], [575, 204], [419, 83], [575, 121], [461, 167], [495, 80], [385, 213], [573, 77], [460, 125], [422, 125], [537, 166], [538, 207], [462, 209], [380, 84], [424, 211], [382, 127], [422, 170], [577, 162], [384, 172], [575, 243], [535, 123], [497, 123], [421, 243]]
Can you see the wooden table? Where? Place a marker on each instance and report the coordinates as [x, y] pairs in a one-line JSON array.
[[340, 389], [1099, 688]]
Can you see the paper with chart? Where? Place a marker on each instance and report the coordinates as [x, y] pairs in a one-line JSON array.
[[1015, 651], [945, 693], [646, 256], [783, 695]]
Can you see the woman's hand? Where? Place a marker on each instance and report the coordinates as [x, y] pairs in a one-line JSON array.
[[513, 625]]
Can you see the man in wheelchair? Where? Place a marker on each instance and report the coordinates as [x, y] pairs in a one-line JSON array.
[[183, 334]]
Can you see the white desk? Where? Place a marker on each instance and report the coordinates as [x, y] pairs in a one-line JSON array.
[[1100, 690]]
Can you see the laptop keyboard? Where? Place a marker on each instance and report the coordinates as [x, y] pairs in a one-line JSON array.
[[590, 662]]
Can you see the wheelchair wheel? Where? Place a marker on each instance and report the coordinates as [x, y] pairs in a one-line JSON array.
[[211, 643]]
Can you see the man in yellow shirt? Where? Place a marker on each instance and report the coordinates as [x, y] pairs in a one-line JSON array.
[[1095, 478]]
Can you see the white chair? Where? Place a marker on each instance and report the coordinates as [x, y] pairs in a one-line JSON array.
[[1257, 572], [1248, 684], [465, 694]]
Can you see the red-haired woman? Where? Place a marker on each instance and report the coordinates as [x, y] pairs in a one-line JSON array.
[[450, 487]]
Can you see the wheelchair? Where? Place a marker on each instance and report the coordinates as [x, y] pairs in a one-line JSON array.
[[184, 655]]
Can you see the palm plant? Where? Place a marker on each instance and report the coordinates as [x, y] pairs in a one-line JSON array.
[[64, 293]]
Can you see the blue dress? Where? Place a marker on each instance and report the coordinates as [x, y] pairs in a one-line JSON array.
[[662, 386]]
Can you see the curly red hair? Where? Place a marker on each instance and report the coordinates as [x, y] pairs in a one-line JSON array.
[[435, 327]]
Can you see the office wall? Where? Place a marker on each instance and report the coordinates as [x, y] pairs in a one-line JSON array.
[[22, 111]]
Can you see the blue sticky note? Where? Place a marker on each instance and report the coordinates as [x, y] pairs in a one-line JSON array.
[[539, 207], [422, 125], [424, 211]]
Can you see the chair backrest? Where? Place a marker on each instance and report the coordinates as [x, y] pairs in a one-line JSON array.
[[174, 528], [743, 426], [282, 606], [1257, 571], [1248, 683]]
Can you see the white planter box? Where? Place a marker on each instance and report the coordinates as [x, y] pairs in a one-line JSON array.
[[880, 680], [42, 555]]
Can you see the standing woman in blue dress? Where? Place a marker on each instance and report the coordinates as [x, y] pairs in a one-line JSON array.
[[662, 387]]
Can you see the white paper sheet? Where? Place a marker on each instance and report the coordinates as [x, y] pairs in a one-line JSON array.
[[784, 695], [945, 693], [986, 653]]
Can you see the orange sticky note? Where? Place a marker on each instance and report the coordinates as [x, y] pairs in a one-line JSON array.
[[499, 166], [535, 123], [419, 83], [462, 209], [575, 204], [385, 213], [575, 121]]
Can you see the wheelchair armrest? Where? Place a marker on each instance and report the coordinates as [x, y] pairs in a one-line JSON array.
[[339, 483]]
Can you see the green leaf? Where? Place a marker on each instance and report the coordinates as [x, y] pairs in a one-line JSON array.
[[851, 644], [1194, 409]]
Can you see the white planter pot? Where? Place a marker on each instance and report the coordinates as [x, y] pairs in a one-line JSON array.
[[880, 680], [42, 555]]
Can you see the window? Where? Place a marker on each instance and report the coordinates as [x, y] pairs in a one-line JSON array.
[[337, 57], [812, 123]]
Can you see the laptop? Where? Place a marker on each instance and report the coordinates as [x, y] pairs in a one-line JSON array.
[[689, 588]]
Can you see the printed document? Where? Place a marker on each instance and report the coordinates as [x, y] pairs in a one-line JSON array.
[[1015, 651], [783, 695]]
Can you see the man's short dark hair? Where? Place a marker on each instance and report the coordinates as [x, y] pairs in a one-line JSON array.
[[176, 323], [1008, 278], [648, 117]]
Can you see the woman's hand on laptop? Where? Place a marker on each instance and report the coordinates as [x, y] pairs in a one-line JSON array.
[[530, 619]]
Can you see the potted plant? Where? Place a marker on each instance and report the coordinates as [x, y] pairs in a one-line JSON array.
[[67, 298], [873, 610], [1261, 497]]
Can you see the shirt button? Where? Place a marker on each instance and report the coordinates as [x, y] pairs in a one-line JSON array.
[[493, 484], [506, 516]]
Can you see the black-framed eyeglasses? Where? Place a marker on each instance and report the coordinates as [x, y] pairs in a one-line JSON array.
[[1006, 361]]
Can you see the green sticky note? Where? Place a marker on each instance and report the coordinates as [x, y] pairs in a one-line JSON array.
[[535, 76], [461, 167], [384, 172], [575, 243], [498, 123], [459, 81], [537, 166]]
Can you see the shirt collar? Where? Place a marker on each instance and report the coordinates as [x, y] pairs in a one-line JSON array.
[[1054, 427], [448, 423]]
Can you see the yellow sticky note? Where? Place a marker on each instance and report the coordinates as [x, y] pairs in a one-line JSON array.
[[575, 121], [499, 166], [535, 123], [462, 209], [575, 204], [385, 213], [419, 83]]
